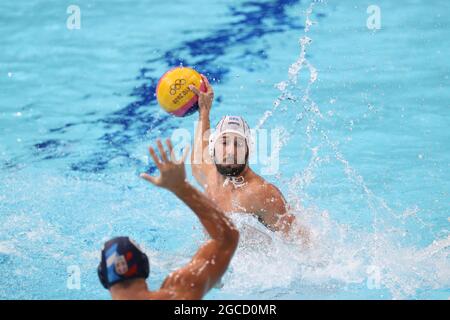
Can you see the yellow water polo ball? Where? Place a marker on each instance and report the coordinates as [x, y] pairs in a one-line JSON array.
[[173, 91]]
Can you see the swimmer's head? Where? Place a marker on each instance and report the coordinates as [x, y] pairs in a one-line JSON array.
[[230, 154], [229, 146], [122, 260]]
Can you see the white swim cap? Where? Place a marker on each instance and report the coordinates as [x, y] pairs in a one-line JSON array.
[[231, 124]]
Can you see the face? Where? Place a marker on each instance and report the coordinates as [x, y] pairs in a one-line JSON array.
[[230, 154]]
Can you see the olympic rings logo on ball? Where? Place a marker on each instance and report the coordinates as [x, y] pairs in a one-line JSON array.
[[176, 86]]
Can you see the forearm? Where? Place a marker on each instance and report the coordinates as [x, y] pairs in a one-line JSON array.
[[200, 141], [216, 223]]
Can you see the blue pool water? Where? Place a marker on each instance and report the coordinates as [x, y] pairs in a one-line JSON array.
[[364, 157]]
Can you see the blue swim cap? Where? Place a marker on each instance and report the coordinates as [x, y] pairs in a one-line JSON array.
[[122, 260]]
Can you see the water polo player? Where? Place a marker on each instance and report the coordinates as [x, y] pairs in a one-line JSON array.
[[225, 174], [124, 267]]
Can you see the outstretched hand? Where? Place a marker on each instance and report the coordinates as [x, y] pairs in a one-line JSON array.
[[173, 174], [205, 99]]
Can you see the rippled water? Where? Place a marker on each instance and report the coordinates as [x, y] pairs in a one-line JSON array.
[[364, 154]]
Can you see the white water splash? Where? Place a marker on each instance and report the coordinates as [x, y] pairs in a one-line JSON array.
[[294, 73], [341, 256]]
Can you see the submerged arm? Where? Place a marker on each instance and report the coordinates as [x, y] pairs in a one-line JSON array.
[[275, 215]]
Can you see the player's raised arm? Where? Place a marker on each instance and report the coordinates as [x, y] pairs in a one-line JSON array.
[[211, 261], [200, 162]]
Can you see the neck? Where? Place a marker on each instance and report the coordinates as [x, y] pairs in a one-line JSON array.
[[245, 174], [135, 289]]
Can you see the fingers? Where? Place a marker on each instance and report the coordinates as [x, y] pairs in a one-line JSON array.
[[171, 154], [162, 151], [207, 84], [185, 154], [155, 157], [149, 178], [194, 89]]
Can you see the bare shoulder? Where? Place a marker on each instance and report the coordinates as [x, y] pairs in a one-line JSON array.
[[174, 279], [168, 289], [266, 195], [178, 286], [263, 188], [162, 294]]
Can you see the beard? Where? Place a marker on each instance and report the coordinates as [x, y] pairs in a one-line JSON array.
[[230, 170], [233, 169]]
